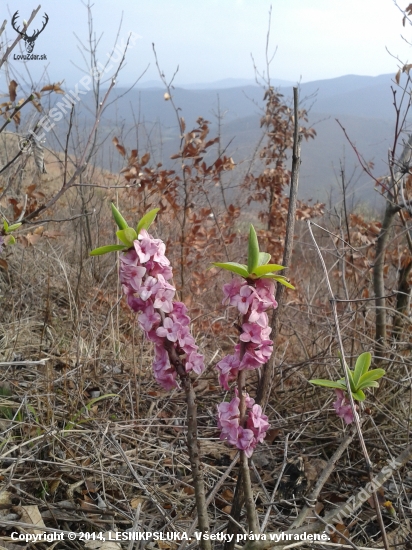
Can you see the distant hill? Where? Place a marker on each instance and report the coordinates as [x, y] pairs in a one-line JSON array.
[[363, 104], [216, 85]]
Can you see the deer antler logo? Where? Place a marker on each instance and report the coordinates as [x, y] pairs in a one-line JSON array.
[[29, 40]]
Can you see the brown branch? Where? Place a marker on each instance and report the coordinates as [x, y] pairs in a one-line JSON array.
[[361, 160], [252, 520], [235, 511], [345, 510], [209, 499], [402, 301], [18, 38], [312, 498], [17, 109], [378, 268], [82, 164], [192, 442], [264, 386], [243, 492], [349, 393], [3, 27]]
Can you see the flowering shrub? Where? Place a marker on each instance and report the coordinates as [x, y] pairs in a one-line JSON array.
[[229, 423], [144, 272], [360, 379], [253, 350], [252, 296], [342, 407], [144, 275]]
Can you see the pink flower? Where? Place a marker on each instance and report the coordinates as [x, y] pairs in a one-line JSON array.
[[264, 351], [149, 318], [147, 290], [163, 300], [179, 314], [257, 422], [232, 289], [169, 330], [260, 319], [157, 269], [246, 441], [129, 257], [195, 362], [249, 401], [229, 368], [186, 340], [144, 250], [135, 303], [132, 275], [163, 372], [243, 300], [163, 283], [265, 289], [228, 420], [247, 438], [342, 407], [153, 337], [160, 257], [254, 333], [149, 287], [256, 348], [249, 359]]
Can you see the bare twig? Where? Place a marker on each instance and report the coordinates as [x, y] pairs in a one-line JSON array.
[[18, 38], [192, 443], [345, 510], [323, 479], [351, 400], [263, 390]]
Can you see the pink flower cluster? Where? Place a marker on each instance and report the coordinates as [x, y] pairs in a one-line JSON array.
[[342, 407], [252, 302], [253, 350], [229, 423], [144, 274]]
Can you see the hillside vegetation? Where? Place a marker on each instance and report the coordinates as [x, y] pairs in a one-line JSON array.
[[89, 441]]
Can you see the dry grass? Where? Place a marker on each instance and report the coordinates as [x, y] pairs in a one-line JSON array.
[[91, 440]]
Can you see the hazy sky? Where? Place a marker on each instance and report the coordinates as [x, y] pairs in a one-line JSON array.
[[214, 39]]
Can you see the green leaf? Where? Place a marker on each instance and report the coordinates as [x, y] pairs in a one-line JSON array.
[[373, 374], [363, 363], [253, 250], [147, 220], [350, 376], [279, 279], [127, 236], [329, 384], [264, 257], [13, 227], [268, 268], [11, 240], [234, 267], [5, 225], [118, 218], [130, 234], [366, 379], [370, 384], [106, 249], [358, 395]]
